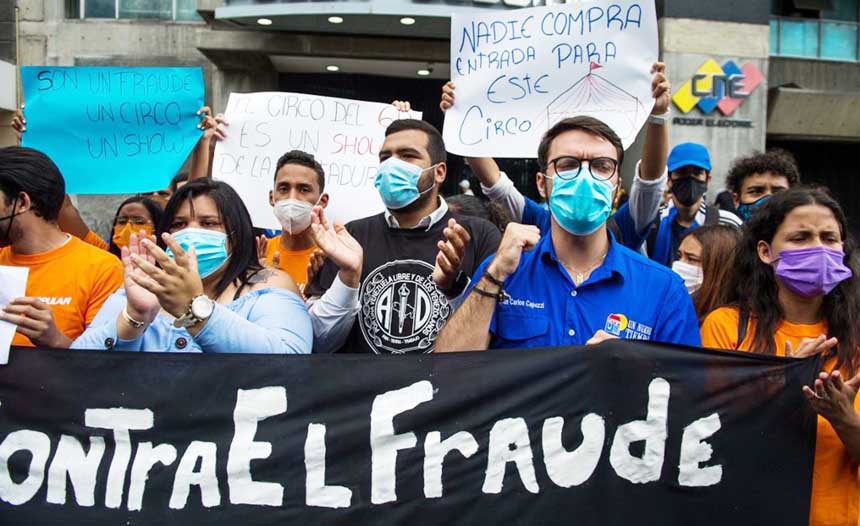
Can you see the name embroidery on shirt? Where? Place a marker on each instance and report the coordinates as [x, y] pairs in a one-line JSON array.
[[619, 325], [514, 302]]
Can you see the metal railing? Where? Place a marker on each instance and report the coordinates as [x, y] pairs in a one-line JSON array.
[[812, 38]]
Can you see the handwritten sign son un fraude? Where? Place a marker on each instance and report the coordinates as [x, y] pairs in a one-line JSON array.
[[518, 72], [113, 129]]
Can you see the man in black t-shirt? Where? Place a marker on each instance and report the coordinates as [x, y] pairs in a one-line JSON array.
[[417, 255]]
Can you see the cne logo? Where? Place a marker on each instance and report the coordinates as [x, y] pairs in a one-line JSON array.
[[718, 87]]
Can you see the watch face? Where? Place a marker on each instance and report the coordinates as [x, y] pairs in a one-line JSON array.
[[202, 307]]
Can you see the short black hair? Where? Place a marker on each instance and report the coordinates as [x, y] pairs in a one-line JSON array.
[[34, 173], [775, 160], [435, 143], [302, 159], [586, 124]]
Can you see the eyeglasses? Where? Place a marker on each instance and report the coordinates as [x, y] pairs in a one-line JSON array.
[[568, 167], [136, 221]]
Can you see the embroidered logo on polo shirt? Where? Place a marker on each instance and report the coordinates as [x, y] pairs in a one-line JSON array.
[[402, 311], [619, 325]]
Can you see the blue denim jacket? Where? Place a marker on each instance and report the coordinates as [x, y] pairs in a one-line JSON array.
[[265, 321]]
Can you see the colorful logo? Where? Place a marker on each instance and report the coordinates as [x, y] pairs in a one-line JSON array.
[[615, 323], [715, 87]]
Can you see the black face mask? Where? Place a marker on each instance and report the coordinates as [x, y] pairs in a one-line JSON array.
[[688, 190]]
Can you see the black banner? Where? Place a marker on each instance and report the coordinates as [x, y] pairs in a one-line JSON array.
[[617, 434]]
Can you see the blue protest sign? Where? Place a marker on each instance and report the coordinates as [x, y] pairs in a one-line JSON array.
[[113, 130]]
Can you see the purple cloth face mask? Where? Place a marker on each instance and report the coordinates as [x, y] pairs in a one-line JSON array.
[[813, 271]]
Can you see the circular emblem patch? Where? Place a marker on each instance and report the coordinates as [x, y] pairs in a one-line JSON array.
[[401, 309]]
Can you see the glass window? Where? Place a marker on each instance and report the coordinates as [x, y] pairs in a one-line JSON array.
[[838, 41], [846, 10], [798, 38], [187, 10], [159, 9], [100, 9]]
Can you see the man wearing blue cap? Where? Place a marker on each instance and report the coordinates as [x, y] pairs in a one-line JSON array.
[[689, 167]]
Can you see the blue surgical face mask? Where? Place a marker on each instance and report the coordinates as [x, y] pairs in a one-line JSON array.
[[580, 203], [397, 183], [745, 210], [210, 245]]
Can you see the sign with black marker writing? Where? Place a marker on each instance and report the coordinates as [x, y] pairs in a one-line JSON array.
[[343, 135], [518, 72], [113, 129], [621, 433]]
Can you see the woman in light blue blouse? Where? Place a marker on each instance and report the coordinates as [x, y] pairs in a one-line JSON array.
[[203, 289]]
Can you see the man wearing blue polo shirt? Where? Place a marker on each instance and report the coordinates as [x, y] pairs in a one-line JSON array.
[[575, 285]]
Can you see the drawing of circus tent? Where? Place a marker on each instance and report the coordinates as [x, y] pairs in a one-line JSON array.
[[595, 96]]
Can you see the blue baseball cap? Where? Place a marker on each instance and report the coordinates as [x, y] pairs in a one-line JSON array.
[[689, 154]]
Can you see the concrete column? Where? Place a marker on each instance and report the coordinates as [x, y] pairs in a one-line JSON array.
[[686, 45]]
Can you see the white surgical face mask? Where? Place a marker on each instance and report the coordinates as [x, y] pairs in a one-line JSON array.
[[691, 274], [294, 215]]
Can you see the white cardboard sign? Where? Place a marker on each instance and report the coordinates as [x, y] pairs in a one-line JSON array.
[[343, 135], [518, 72]]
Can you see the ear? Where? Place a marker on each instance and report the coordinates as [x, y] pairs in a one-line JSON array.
[[764, 254], [736, 200], [440, 172], [324, 200], [543, 185], [271, 198], [24, 203]]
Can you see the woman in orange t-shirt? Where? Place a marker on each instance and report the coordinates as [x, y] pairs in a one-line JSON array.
[[798, 294]]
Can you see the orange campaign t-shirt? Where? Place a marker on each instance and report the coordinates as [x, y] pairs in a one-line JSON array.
[[835, 483], [293, 262], [74, 279]]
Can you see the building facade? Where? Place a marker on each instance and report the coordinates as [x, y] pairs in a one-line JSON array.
[[798, 62]]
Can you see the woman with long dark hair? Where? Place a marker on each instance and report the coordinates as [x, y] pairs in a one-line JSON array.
[[202, 287], [797, 293], [705, 261]]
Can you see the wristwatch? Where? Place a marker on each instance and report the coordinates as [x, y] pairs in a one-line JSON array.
[[199, 310]]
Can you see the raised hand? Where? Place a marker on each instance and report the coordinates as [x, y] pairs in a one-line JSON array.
[[447, 96], [176, 283], [661, 89], [517, 238], [142, 305], [403, 106], [19, 123], [833, 398], [213, 127], [339, 246], [450, 256]]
